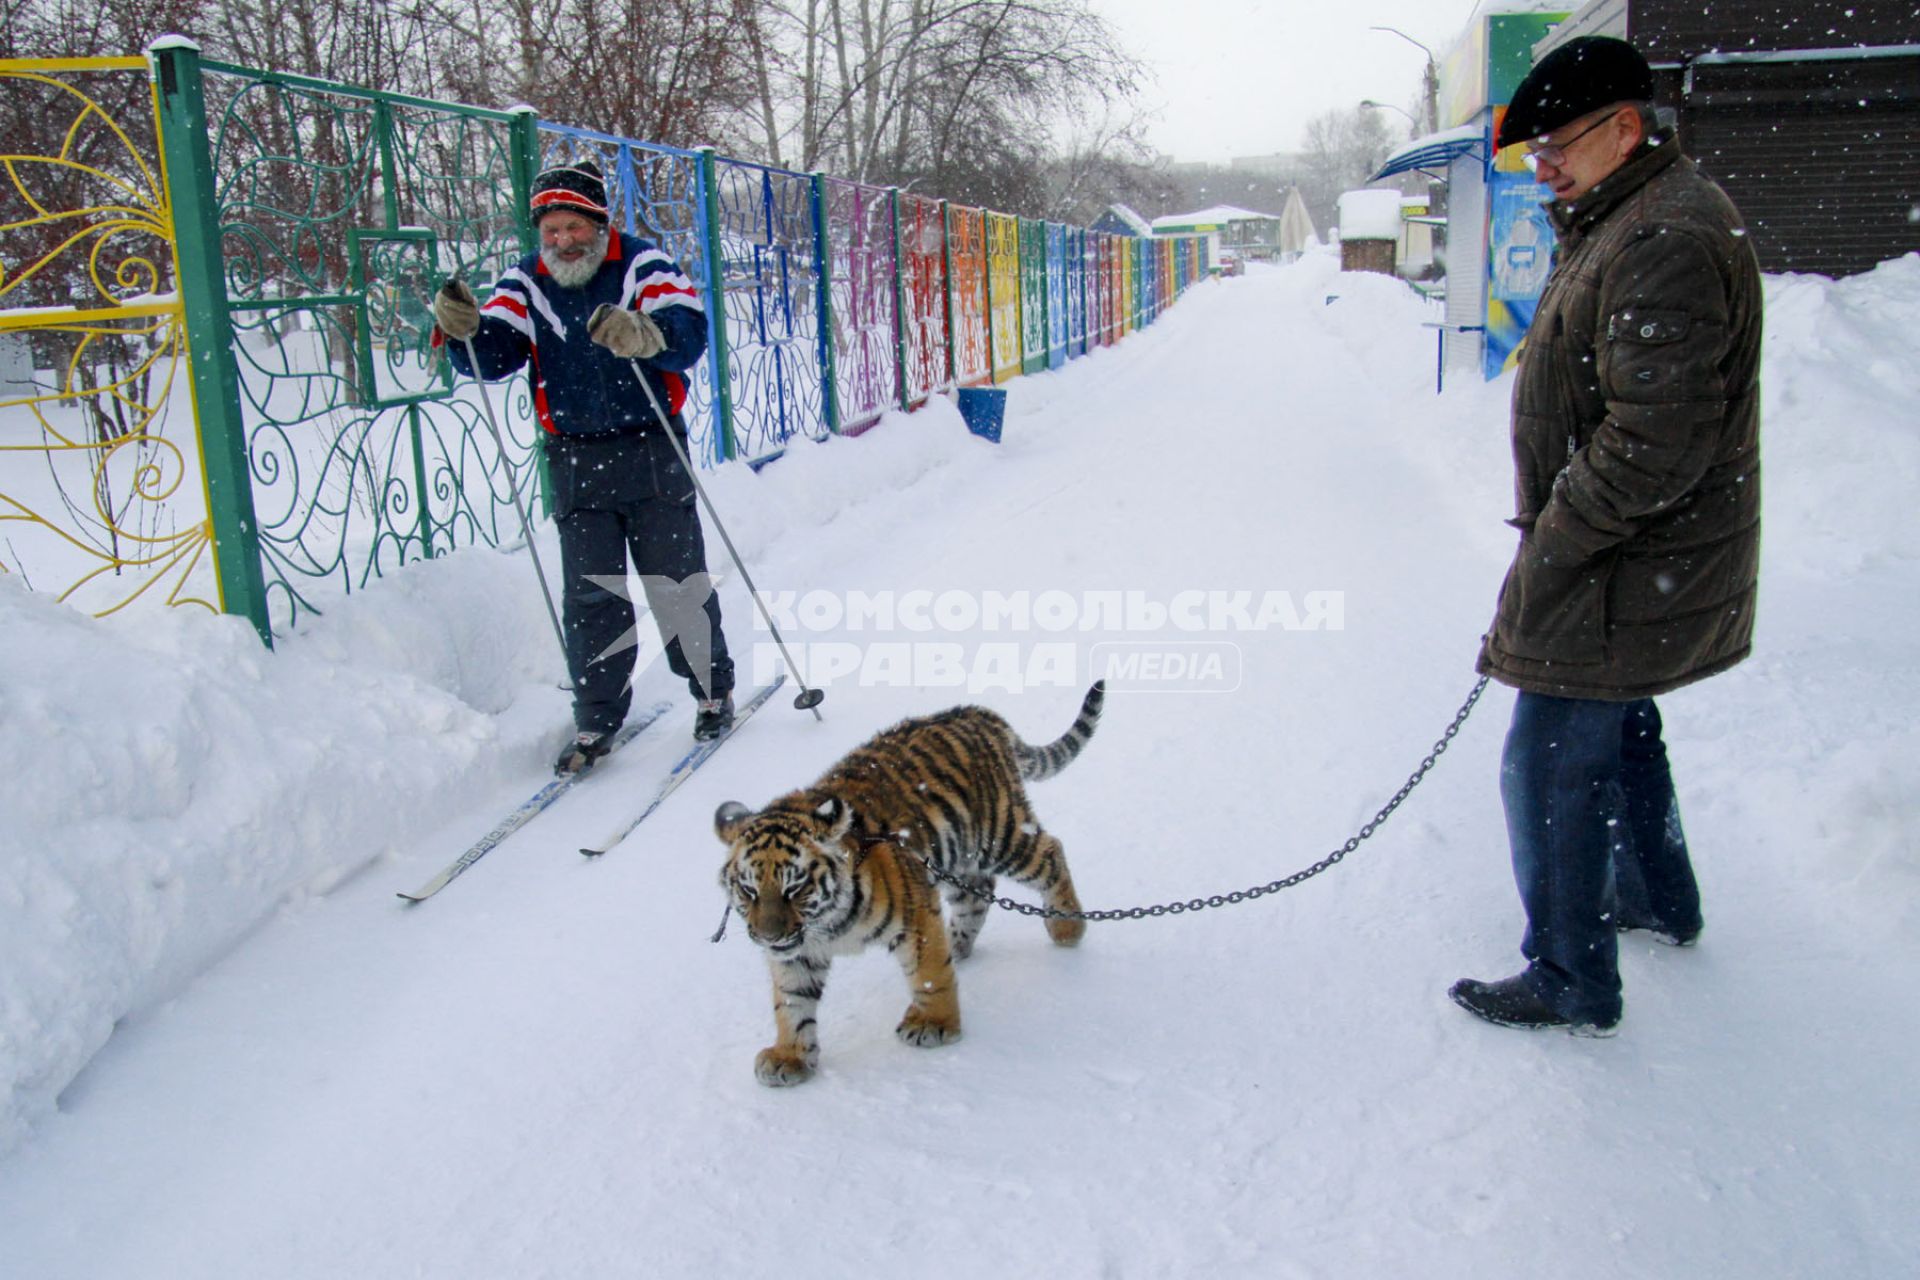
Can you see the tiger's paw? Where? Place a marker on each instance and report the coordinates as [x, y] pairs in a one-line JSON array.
[[778, 1068], [926, 1030], [1066, 933]]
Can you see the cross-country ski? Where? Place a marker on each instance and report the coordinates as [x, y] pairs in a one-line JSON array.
[[684, 768], [534, 805]]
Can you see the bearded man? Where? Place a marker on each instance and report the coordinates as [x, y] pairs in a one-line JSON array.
[[578, 314]]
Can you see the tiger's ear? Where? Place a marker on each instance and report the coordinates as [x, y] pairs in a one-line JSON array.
[[834, 816], [727, 819]]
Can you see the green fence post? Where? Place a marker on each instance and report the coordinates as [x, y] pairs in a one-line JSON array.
[[823, 262], [214, 375], [899, 303], [523, 152], [719, 356], [423, 513]]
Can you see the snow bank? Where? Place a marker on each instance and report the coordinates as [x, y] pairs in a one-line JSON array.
[[167, 783]]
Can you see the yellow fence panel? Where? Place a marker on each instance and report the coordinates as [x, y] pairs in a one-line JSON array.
[[102, 497], [1003, 293]]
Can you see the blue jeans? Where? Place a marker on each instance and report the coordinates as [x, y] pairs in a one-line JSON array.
[[1596, 838]]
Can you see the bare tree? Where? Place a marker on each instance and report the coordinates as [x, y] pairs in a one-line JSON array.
[[1343, 149], [1103, 160], [958, 95], [672, 71]]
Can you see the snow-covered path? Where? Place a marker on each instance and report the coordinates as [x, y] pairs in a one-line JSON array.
[[546, 1072]]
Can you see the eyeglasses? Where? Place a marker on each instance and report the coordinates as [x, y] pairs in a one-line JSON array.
[[1556, 154]]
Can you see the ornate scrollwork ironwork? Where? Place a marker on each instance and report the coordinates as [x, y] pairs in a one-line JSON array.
[[866, 353], [923, 295], [341, 211], [94, 503], [770, 280], [967, 250], [1003, 292]]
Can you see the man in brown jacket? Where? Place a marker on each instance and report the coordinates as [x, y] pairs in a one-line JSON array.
[[1636, 414]]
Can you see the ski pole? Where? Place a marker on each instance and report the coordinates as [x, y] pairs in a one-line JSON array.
[[809, 698], [526, 525]]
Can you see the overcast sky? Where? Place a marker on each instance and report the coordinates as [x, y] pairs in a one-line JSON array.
[[1243, 77]]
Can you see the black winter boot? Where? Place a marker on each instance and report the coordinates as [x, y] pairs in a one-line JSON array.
[[713, 719], [1511, 1002], [580, 755]]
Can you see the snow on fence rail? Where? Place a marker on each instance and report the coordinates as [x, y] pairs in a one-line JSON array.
[[290, 232]]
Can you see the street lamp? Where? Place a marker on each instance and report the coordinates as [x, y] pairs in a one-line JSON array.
[[1432, 79], [1388, 106]]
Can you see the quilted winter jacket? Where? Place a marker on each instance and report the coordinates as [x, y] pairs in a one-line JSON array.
[[579, 388], [1636, 444]]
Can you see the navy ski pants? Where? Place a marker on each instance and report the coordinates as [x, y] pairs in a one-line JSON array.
[[663, 538]]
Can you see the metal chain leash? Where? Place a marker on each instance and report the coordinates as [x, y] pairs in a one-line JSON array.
[[1242, 895]]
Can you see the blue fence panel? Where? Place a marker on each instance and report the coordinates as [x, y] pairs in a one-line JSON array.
[[1076, 254], [770, 277], [1056, 295]]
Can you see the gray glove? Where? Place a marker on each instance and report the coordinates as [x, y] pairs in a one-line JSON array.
[[627, 334], [456, 310]]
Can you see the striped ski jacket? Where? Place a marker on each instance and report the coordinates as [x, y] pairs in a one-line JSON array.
[[580, 388]]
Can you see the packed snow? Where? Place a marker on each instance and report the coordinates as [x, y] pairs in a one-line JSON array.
[[227, 1049], [1369, 215]]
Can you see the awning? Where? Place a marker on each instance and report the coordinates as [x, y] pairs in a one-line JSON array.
[[1436, 150]]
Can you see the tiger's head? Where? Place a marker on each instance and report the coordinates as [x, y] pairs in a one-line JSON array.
[[787, 866]]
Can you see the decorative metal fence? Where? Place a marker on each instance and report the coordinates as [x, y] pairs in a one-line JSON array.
[[972, 331], [1056, 283], [925, 353], [1004, 294], [1074, 251], [779, 383], [1146, 305], [1108, 288], [864, 277], [333, 213], [1144, 262], [1033, 295], [100, 491], [291, 231]]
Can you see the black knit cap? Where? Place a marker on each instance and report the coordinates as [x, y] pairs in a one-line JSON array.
[[577, 188], [1579, 76]]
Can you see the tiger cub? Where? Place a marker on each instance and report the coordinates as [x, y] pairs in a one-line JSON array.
[[843, 864]]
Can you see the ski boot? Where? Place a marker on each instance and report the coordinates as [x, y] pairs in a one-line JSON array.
[[713, 719]]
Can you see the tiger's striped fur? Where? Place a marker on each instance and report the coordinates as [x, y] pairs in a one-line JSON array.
[[841, 865]]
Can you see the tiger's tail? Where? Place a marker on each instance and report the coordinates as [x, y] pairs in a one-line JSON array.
[[1038, 763]]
